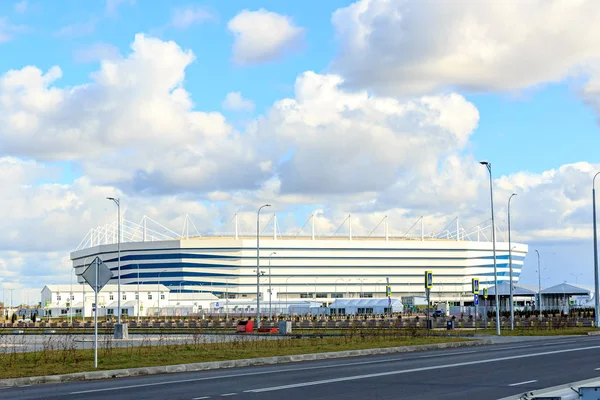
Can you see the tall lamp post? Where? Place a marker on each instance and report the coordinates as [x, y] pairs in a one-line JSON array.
[[270, 291], [118, 203], [258, 264], [512, 308], [489, 168], [158, 292], [539, 284], [576, 276], [596, 289]]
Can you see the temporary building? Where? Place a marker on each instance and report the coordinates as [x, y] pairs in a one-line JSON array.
[[365, 306], [559, 296]]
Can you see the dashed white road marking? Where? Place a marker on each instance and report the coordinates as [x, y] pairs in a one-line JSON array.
[[335, 365], [523, 383], [406, 371], [448, 354]]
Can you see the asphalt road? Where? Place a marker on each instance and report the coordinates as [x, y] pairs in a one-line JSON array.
[[487, 372]]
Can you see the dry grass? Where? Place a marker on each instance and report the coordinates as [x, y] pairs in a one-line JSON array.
[[59, 355]]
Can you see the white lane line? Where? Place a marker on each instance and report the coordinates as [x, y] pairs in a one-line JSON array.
[[522, 383], [201, 398], [448, 354], [243, 374], [596, 369], [265, 372], [406, 371], [563, 342], [228, 394]]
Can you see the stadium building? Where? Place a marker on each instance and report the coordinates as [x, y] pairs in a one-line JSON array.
[[301, 266]]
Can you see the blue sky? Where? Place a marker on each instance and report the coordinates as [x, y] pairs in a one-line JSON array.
[[526, 102]]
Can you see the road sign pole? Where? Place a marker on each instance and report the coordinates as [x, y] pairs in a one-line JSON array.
[[388, 292], [428, 286], [428, 305], [96, 318]]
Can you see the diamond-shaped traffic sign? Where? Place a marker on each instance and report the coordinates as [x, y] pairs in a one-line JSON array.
[[99, 279]]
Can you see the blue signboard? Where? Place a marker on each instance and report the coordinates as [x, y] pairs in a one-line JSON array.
[[428, 279], [476, 299], [475, 285]]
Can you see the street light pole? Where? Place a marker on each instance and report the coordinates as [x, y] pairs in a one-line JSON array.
[[258, 264], [118, 203], [512, 309], [270, 292], [361, 287], [596, 289], [158, 293], [539, 284], [286, 294], [489, 168], [576, 276], [71, 300], [138, 293]]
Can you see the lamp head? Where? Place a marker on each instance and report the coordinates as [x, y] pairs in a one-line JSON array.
[[484, 162]]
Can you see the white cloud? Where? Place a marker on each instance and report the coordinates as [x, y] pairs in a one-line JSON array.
[[8, 30], [350, 142], [235, 102], [77, 29], [262, 36], [21, 6], [113, 5], [134, 125], [399, 47], [97, 52], [183, 18]]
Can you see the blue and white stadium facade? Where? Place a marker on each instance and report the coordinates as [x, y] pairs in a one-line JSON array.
[[302, 267]]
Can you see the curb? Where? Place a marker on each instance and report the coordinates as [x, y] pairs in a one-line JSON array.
[[212, 365]]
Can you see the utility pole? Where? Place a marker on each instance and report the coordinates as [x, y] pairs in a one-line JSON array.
[[270, 291], [121, 328], [596, 284], [489, 168], [258, 264], [539, 285], [512, 309]]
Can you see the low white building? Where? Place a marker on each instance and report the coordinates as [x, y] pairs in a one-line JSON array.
[[185, 304], [78, 300], [365, 306]]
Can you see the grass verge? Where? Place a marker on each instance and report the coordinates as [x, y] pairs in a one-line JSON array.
[[67, 359]]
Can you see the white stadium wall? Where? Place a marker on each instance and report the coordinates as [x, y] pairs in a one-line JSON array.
[[306, 267]]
